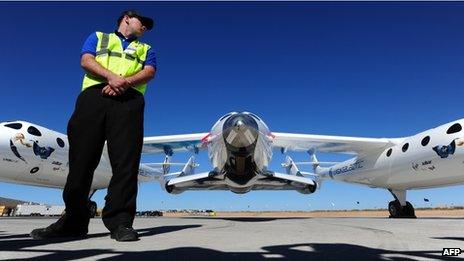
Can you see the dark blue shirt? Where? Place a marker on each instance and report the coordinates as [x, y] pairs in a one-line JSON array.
[[90, 46]]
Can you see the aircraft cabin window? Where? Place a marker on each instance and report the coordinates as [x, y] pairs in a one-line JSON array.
[[405, 147], [425, 140], [454, 128], [60, 142], [15, 126], [34, 131], [389, 152]]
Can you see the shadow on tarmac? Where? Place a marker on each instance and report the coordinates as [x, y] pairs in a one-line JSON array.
[[293, 252], [450, 238], [22, 241]]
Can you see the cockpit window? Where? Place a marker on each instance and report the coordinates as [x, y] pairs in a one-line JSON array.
[[15, 126], [34, 131], [454, 128], [253, 115], [227, 115]]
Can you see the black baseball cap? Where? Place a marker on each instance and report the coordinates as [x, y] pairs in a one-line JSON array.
[[146, 21]]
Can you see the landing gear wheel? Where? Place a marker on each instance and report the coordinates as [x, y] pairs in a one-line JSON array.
[[92, 209], [395, 209], [408, 211]]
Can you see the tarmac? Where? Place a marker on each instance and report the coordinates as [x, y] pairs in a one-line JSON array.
[[209, 238]]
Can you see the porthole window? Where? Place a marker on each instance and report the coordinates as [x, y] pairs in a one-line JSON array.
[[405, 147], [15, 126], [60, 142], [389, 152], [425, 140], [454, 128], [34, 131]]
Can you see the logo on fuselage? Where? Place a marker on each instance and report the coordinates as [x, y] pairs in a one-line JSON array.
[[356, 165]]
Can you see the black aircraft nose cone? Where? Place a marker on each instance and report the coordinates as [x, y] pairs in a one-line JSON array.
[[240, 130]]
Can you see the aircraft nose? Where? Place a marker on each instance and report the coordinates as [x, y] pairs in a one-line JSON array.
[[239, 124], [240, 130]]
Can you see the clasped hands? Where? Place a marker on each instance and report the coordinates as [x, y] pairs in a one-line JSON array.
[[117, 85]]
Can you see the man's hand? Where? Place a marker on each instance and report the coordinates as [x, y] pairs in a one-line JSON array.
[[113, 91], [118, 83], [107, 90]]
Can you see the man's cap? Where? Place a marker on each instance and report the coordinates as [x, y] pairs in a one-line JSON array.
[[146, 21]]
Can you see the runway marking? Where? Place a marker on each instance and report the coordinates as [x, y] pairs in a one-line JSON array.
[[24, 254], [273, 256], [101, 256], [306, 248], [395, 256]]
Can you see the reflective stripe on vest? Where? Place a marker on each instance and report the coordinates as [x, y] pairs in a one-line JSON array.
[[111, 56]]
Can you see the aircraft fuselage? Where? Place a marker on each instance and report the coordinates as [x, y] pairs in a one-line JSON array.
[[239, 148], [432, 158]]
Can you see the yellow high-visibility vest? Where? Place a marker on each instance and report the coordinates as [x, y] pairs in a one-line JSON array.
[[111, 55]]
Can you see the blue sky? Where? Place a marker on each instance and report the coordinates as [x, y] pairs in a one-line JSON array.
[[385, 69]]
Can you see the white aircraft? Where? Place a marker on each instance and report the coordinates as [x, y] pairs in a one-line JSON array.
[[240, 147]]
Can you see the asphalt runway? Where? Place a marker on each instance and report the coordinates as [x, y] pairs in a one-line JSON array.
[[244, 239]]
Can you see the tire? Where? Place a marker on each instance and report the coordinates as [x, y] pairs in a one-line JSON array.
[[409, 210], [92, 209], [395, 209]]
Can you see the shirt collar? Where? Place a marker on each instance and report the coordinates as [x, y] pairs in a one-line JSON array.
[[130, 39]]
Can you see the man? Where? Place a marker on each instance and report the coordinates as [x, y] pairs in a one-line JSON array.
[[110, 107]]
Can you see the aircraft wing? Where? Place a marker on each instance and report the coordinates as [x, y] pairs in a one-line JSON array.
[[200, 181], [330, 144], [206, 181], [174, 143]]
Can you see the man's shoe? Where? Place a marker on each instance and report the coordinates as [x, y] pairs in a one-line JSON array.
[[123, 234], [56, 230]]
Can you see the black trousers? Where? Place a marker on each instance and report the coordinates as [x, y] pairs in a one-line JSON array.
[[119, 121]]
